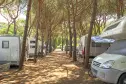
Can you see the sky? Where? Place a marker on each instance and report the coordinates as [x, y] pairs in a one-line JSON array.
[[2, 19], [21, 16]]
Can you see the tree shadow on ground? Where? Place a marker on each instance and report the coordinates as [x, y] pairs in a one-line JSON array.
[[49, 70], [79, 76]]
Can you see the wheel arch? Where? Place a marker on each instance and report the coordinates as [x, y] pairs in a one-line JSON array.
[[120, 77]]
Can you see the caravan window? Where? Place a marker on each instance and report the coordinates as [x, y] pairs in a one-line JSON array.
[[32, 46], [32, 41], [96, 44], [113, 26], [5, 44]]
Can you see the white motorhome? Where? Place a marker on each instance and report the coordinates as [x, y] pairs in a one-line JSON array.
[[98, 45], [111, 65], [10, 50], [116, 30]]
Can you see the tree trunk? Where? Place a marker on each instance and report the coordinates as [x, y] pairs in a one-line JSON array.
[[75, 44], [66, 36], [36, 44], [54, 43], [42, 45], [25, 35], [50, 44], [38, 27], [47, 46], [74, 33], [104, 21], [47, 43], [62, 41], [50, 40], [70, 32], [15, 30], [8, 28], [90, 33], [66, 45], [120, 8]]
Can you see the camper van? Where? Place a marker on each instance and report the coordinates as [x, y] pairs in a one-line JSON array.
[[98, 45], [110, 66], [116, 30], [10, 50]]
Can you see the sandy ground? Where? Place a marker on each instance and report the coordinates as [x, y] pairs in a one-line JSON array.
[[55, 68]]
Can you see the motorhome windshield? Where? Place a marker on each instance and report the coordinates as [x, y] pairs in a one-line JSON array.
[[112, 26], [118, 47]]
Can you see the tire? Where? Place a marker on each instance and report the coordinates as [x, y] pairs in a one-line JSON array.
[[122, 79]]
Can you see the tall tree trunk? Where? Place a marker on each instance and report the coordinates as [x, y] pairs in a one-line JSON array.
[[66, 36], [25, 35], [74, 33], [120, 8], [62, 41], [54, 43], [104, 21], [90, 33], [50, 45], [50, 41], [70, 32], [75, 45], [42, 45], [38, 26], [66, 44], [9, 24], [47, 42], [15, 30], [36, 46]]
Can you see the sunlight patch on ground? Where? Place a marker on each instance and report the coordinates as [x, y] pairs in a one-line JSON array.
[[56, 68]]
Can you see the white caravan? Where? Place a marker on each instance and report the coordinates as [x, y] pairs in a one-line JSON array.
[[111, 65], [31, 47], [98, 45], [10, 50]]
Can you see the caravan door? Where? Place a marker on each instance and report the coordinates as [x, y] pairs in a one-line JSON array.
[[14, 50], [4, 51], [31, 48]]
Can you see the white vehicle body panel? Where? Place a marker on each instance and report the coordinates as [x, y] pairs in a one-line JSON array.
[[116, 53], [116, 30], [10, 49], [31, 47]]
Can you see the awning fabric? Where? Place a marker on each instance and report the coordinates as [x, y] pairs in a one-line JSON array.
[[98, 39]]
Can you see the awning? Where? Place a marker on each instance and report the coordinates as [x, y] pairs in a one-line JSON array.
[[98, 39]]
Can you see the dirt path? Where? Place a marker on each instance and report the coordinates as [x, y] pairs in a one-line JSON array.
[[56, 68]]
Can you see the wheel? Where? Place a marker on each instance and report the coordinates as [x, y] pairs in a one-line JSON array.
[[122, 79]]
